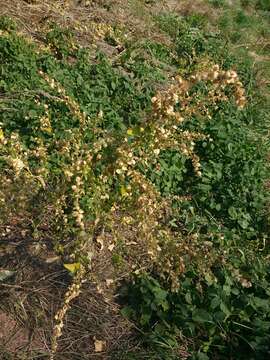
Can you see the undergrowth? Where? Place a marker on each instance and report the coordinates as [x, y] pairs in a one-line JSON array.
[[168, 172]]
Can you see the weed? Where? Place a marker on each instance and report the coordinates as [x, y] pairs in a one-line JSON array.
[[156, 156]]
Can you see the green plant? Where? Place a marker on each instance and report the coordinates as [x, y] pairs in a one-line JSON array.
[[222, 303], [169, 180], [263, 5], [225, 309]]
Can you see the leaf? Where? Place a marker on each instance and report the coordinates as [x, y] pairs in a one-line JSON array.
[[218, 207], [160, 295], [5, 274], [188, 298], [53, 259], [215, 302], [99, 345], [72, 267], [145, 318], [100, 241], [209, 279], [113, 85], [225, 309], [232, 212], [243, 223], [109, 282], [202, 356], [201, 316], [123, 191], [32, 114], [127, 312], [111, 247]]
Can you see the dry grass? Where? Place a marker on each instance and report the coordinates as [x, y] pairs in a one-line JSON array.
[[185, 8], [84, 20], [32, 296], [89, 19]]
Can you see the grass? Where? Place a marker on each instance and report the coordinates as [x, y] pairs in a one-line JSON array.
[[146, 235]]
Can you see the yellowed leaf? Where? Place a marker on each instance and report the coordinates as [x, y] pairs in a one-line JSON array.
[[99, 289], [111, 247], [99, 345], [47, 129], [99, 240], [40, 179], [132, 243], [72, 267], [109, 282], [123, 191]]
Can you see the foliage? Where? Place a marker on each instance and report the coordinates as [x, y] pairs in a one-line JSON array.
[[224, 310], [96, 149], [223, 299]]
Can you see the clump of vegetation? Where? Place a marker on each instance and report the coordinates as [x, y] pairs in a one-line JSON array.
[[170, 180]]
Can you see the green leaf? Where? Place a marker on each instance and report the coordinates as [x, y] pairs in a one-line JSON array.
[[145, 318], [202, 356], [32, 113], [127, 312], [209, 279], [225, 309], [215, 302], [113, 85], [201, 316], [232, 212], [188, 298], [243, 223]]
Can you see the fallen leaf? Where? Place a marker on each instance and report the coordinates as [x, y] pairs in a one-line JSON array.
[[99, 289], [109, 282], [99, 240], [111, 247], [99, 345], [52, 259], [132, 243]]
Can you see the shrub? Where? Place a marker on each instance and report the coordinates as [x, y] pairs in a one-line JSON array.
[[91, 149]]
